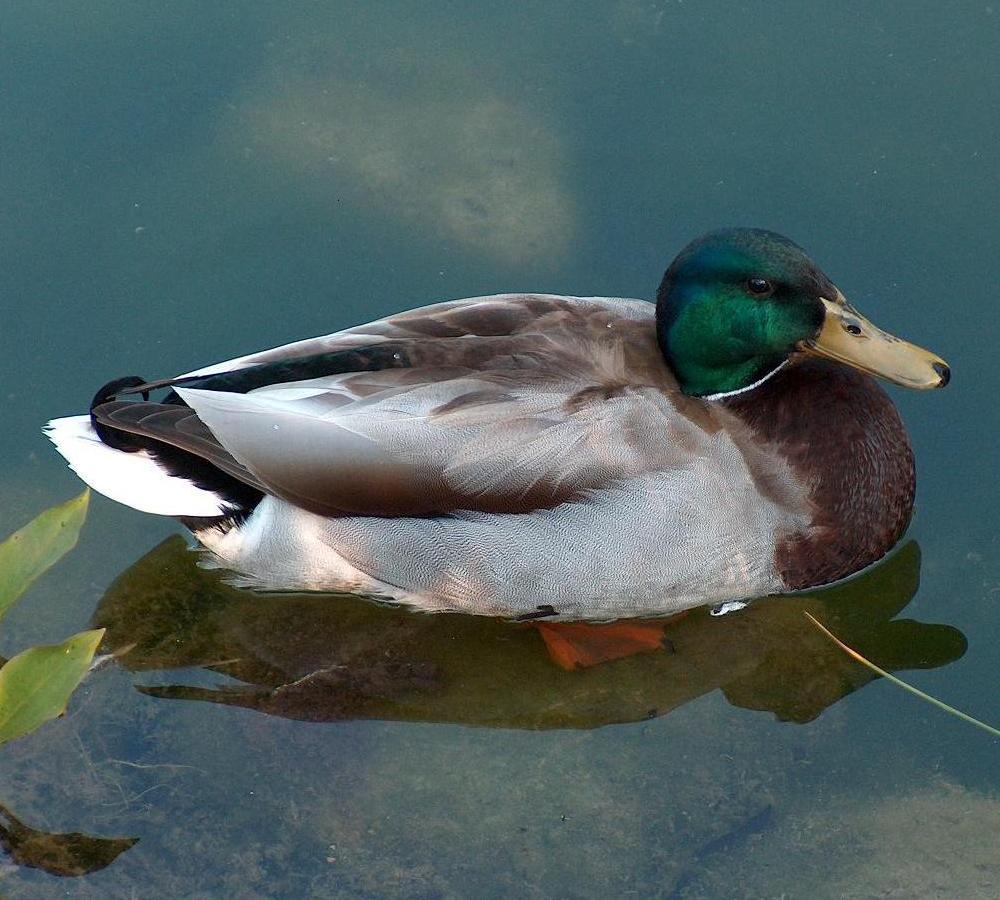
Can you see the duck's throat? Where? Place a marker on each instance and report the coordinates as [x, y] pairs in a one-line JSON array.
[[729, 392], [845, 443], [714, 355], [716, 379]]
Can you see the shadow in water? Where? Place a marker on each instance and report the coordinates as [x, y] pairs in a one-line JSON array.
[[331, 658]]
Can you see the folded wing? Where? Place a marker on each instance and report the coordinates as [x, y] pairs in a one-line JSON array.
[[498, 404]]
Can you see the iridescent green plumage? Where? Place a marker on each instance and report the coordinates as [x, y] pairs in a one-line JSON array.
[[715, 332]]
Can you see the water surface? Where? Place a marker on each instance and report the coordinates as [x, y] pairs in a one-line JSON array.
[[184, 183]]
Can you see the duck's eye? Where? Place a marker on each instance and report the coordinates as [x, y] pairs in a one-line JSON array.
[[760, 287]]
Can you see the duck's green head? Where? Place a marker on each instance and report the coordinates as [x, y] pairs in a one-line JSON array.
[[736, 304]]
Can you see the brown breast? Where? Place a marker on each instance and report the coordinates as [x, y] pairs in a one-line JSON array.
[[844, 439]]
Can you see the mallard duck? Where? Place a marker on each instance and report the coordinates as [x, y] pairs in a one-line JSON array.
[[533, 455]]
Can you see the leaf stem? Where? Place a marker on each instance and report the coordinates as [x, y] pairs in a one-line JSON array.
[[899, 682]]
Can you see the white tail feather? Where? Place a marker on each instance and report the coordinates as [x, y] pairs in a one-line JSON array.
[[135, 479]]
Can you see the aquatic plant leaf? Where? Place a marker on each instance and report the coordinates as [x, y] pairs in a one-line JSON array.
[[66, 854], [36, 685], [30, 550], [940, 704]]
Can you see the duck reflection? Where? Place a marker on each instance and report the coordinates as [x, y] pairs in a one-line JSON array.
[[331, 658]]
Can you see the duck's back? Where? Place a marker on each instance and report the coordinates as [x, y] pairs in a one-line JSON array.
[[519, 452]]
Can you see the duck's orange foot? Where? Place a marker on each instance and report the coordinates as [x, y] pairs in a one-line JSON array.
[[578, 645]]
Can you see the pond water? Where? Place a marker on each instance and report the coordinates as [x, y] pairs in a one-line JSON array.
[[187, 182]]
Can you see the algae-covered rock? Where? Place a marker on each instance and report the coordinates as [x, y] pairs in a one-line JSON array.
[[938, 842], [469, 165]]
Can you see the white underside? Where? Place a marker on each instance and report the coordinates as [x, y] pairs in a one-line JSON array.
[[135, 479], [281, 547], [511, 565]]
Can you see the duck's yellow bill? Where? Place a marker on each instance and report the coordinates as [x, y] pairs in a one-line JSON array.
[[848, 337]]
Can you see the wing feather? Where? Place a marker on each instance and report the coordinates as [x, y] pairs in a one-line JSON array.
[[500, 404]]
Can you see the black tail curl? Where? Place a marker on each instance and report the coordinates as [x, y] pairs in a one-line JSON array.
[[120, 440], [240, 496]]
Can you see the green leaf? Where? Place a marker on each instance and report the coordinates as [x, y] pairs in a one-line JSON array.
[[36, 685], [31, 550]]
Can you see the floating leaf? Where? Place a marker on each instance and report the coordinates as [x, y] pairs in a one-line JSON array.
[[34, 548], [36, 685], [66, 854]]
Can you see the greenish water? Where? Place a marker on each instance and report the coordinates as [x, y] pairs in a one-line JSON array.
[[187, 182]]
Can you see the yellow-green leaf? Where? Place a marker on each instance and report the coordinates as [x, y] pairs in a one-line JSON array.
[[36, 685], [34, 548]]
